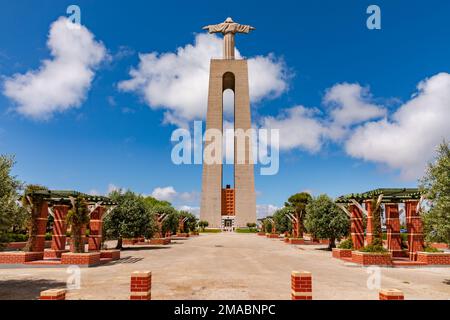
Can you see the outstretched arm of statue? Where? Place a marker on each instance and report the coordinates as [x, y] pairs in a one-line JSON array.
[[213, 28], [244, 28]]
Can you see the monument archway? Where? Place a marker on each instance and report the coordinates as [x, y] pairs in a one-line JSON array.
[[229, 73]]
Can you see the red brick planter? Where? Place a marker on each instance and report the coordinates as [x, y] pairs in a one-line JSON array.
[[88, 259], [261, 233], [439, 258], [195, 233], [273, 236], [21, 245], [54, 254], [129, 242], [440, 246], [183, 235], [368, 258], [20, 257], [110, 254], [160, 241], [296, 241], [342, 253]]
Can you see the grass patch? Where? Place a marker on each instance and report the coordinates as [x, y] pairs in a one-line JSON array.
[[211, 231], [247, 230]]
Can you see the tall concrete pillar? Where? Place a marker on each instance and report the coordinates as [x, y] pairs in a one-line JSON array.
[[229, 74]]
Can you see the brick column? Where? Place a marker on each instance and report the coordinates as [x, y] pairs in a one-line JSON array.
[[95, 226], [59, 229], [369, 228], [38, 243], [394, 241], [141, 285], [357, 227], [53, 294], [391, 294], [415, 229], [301, 285]]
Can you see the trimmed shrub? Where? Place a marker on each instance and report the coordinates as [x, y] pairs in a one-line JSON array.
[[374, 248], [346, 244]]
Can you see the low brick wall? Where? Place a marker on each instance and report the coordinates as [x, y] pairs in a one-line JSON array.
[[129, 242], [367, 258], [88, 259], [54, 254], [296, 241], [20, 257], [434, 258], [53, 294], [440, 246], [110, 254], [342, 253], [160, 241], [183, 235], [391, 294], [21, 245]]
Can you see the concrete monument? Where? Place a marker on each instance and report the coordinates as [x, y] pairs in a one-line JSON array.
[[228, 208]]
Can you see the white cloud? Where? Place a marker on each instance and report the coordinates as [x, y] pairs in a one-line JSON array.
[[351, 104], [299, 128], [408, 139], [170, 194], [178, 82], [164, 194], [194, 210], [264, 210], [62, 82]]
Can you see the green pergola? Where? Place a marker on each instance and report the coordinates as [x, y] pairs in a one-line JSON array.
[[389, 195], [64, 196]]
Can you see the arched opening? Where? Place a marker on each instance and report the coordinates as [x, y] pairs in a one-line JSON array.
[[228, 177]]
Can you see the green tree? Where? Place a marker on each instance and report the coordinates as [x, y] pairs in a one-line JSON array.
[[282, 222], [77, 219], [203, 225], [172, 220], [298, 203], [326, 220], [152, 202], [268, 226], [436, 186], [191, 223], [131, 218], [9, 187]]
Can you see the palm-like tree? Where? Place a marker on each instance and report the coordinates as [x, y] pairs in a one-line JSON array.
[[298, 203], [77, 218]]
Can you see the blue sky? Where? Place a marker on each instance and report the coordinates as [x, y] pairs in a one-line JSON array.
[[110, 136]]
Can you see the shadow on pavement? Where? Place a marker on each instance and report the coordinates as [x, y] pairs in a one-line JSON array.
[[26, 289]]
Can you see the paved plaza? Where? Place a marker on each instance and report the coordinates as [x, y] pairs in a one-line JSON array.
[[226, 266]]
